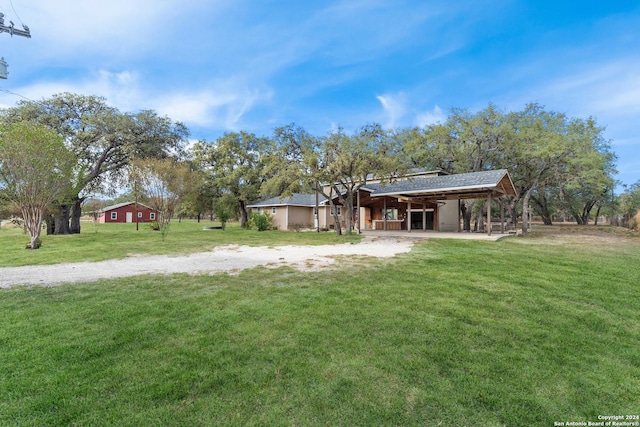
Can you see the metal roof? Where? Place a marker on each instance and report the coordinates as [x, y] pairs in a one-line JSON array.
[[119, 205], [296, 199], [497, 181]]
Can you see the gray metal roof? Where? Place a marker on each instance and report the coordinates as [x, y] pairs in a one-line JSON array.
[[445, 183], [119, 205], [296, 199]]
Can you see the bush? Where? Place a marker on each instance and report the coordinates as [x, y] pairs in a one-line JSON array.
[[260, 222]]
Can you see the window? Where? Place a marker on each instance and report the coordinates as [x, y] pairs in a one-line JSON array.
[[152, 216], [273, 210], [390, 214], [260, 210], [139, 214], [337, 210], [114, 215]]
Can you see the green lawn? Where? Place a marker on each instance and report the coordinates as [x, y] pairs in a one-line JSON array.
[[523, 331], [99, 242]]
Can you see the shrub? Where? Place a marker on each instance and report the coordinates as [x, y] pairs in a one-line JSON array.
[[260, 222]]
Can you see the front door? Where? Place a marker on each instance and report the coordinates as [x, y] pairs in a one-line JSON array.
[[129, 216]]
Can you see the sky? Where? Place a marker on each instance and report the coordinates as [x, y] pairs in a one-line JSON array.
[[253, 65]]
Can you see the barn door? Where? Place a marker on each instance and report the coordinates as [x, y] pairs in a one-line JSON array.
[[129, 216]]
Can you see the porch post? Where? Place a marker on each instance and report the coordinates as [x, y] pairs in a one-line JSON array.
[[359, 219], [458, 215], [317, 214], [409, 216], [384, 214], [424, 216], [501, 215], [489, 214]]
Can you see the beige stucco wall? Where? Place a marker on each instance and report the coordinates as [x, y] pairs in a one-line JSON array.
[[448, 216], [300, 217]]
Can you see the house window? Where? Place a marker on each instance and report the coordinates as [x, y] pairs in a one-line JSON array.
[[139, 214], [337, 210], [390, 214], [260, 210], [114, 215], [152, 216], [273, 210]]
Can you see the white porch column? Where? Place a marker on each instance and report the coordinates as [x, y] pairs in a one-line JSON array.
[[424, 216], [409, 216]]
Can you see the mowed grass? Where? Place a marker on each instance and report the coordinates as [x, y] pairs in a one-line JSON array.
[[516, 332], [98, 242]]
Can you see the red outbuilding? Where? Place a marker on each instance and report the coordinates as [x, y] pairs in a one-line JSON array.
[[127, 212]]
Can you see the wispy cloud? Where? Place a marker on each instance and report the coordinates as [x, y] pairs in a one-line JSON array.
[[432, 117], [394, 106]]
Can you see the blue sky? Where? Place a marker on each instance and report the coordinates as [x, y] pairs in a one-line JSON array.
[[229, 65]]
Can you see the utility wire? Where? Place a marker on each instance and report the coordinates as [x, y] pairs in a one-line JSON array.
[[21, 96], [14, 11]]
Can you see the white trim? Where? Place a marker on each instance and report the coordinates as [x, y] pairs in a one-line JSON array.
[[114, 215]]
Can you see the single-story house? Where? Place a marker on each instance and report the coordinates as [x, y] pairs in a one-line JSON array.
[[126, 212], [423, 200]]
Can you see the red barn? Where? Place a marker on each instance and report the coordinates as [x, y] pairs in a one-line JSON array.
[[127, 212]]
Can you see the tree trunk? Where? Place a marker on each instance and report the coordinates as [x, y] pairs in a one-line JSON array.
[[76, 214], [61, 220], [244, 217], [479, 221], [466, 216], [577, 217], [525, 211], [334, 213], [586, 211], [49, 220], [33, 223], [543, 205], [595, 222], [348, 205]]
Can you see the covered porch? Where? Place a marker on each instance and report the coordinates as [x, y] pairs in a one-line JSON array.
[[434, 203]]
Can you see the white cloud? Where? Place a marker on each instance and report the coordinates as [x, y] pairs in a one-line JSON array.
[[394, 108], [432, 117], [112, 27]]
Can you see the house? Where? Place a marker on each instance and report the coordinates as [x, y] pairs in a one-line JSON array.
[[292, 212], [422, 200], [126, 212]]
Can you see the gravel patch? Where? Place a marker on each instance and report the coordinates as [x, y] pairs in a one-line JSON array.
[[229, 259]]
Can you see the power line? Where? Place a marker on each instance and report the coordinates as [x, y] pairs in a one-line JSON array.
[[21, 96], [14, 11]]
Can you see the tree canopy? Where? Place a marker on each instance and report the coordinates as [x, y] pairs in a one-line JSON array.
[[35, 170], [104, 141]]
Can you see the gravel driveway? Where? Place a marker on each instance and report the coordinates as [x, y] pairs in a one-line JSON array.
[[221, 259]]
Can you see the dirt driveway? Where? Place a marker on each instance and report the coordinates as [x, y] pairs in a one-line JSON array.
[[222, 259]]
